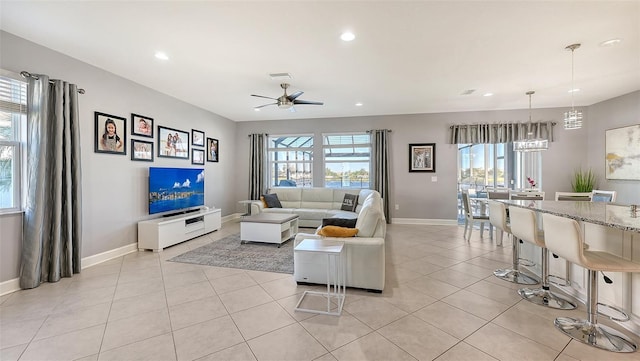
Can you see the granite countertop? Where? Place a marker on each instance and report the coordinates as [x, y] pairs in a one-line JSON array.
[[605, 214]]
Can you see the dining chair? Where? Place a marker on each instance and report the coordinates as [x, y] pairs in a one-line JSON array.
[[598, 195], [498, 194], [470, 217], [573, 196]]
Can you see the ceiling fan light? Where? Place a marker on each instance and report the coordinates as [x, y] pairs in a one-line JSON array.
[[285, 105], [573, 119]]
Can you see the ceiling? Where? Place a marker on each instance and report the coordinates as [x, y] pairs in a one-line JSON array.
[[407, 57]]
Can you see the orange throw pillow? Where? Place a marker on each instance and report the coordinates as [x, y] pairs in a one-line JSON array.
[[264, 203], [335, 231]]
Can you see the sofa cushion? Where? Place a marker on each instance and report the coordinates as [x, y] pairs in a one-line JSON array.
[[335, 231], [340, 222], [272, 200], [369, 216], [350, 202]]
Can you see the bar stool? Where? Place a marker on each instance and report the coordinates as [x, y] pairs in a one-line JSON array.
[[498, 218], [524, 227], [564, 237]]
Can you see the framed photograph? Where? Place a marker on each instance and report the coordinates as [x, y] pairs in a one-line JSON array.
[[197, 156], [111, 134], [173, 143], [141, 125], [213, 152], [197, 138], [422, 157], [141, 150], [622, 148]]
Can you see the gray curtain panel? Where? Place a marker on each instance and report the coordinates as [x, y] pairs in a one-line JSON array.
[[500, 132], [51, 246], [257, 166], [380, 166]]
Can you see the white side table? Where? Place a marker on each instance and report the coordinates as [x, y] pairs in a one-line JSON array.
[[336, 289], [247, 204]]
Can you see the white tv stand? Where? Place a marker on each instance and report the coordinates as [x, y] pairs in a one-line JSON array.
[[159, 233]]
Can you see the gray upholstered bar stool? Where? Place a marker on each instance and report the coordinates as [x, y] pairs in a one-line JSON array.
[[564, 237], [498, 217], [524, 226]]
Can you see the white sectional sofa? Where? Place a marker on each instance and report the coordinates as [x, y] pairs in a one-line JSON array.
[[313, 204], [364, 253]]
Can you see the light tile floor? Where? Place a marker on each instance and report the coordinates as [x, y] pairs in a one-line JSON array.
[[441, 302]]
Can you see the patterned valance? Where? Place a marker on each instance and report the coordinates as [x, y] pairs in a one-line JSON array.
[[500, 132]]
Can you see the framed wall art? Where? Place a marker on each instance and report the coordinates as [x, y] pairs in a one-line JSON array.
[[622, 148], [141, 150], [141, 125], [422, 157], [197, 156], [173, 143], [111, 134], [213, 151], [197, 138]]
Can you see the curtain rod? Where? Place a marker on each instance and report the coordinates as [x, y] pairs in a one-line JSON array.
[[388, 130], [26, 74], [466, 125], [248, 135]]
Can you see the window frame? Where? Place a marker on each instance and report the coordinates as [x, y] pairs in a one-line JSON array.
[[353, 145], [17, 111], [306, 163]]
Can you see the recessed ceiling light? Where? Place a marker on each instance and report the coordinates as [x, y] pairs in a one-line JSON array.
[[256, 109], [347, 36], [358, 104], [487, 94], [611, 42], [161, 55], [574, 90]]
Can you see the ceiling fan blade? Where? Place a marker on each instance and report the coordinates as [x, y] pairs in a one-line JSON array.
[[262, 96], [308, 102], [295, 95], [262, 106]]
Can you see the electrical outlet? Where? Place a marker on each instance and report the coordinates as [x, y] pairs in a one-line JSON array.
[[397, 207]]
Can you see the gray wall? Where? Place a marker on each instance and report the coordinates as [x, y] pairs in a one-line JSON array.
[[114, 188], [613, 113], [416, 195]]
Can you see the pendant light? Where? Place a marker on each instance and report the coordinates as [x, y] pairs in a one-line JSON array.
[[572, 118], [530, 144]]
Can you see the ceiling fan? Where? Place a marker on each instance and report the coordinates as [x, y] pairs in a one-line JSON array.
[[286, 101]]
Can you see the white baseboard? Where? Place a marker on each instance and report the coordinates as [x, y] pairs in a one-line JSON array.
[[14, 284], [429, 222], [109, 255], [9, 286]]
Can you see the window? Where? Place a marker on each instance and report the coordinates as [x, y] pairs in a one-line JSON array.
[[290, 161], [347, 160], [483, 165], [13, 110]]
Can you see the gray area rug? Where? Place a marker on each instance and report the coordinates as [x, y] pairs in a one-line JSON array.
[[228, 252]]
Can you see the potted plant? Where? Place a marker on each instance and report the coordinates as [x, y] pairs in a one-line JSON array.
[[583, 181]]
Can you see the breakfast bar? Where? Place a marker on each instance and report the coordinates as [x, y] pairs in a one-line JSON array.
[[609, 227]]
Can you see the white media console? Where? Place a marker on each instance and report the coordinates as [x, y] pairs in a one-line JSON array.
[[156, 234]]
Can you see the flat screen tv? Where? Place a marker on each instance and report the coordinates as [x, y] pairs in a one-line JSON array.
[[175, 190]]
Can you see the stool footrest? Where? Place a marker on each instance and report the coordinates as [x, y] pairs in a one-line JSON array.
[[566, 282], [514, 276], [625, 317], [546, 298], [596, 335], [526, 262]]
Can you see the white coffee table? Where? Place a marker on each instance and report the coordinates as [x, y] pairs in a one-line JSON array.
[[336, 289], [268, 228]]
